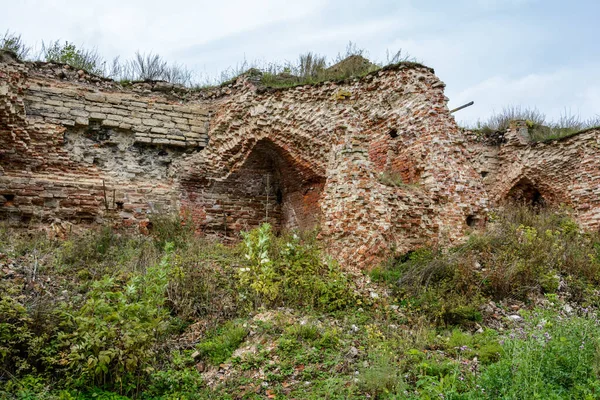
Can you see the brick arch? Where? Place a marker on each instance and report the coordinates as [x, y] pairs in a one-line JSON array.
[[528, 188], [525, 191], [269, 184]]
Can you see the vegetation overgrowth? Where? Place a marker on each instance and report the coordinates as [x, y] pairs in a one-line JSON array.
[[511, 313], [540, 129], [309, 68]]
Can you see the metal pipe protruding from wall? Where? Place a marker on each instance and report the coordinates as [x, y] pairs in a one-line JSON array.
[[461, 107]]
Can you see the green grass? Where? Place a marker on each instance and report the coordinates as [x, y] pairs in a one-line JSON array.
[[540, 129], [222, 343], [426, 335], [309, 68]]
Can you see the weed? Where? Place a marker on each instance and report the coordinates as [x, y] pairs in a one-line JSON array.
[[382, 375], [79, 58], [14, 43], [114, 333], [549, 357], [222, 343], [540, 130]]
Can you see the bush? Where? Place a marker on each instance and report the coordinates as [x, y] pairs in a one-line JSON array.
[[290, 273], [203, 282], [115, 332], [524, 253], [78, 58], [25, 341]]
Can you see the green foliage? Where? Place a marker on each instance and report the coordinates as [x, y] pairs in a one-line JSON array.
[[14, 43], [304, 331], [525, 253], [540, 130], [291, 273], [178, 381], [112, 314], [222, 343], [549, 358], [171, 228], [260, 277], [203, 282], [381, 377], [24, 338], [500, 121], [309, 68], [115, 331], [79, 58]]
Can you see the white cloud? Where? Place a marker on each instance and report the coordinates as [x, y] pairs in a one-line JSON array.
[[495, 52], [149, 25], [564, 91]]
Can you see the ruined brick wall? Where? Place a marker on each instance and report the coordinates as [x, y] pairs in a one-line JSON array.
[[85, 149], [80, 148], [328, 146], [565, 171]]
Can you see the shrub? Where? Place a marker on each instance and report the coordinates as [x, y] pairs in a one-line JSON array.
[[24, 340], [105, 251], [523, 254], [115, 332], [203, 282], [68, 53], [171, 228], [290, 273]]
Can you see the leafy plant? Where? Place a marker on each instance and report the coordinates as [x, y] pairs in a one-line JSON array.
[[13, 42], [222, 343], [115, 332], [79, 58], [550, 358], [294, 275]]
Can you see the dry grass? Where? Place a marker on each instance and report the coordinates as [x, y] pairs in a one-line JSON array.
[[540, 129]]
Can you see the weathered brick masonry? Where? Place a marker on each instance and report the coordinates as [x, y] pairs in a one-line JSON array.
[[85, 149], [564, 171]]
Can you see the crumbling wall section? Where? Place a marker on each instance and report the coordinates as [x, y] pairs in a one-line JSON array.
[[564, 171], [335, 138], [85, 149], [80, 148]]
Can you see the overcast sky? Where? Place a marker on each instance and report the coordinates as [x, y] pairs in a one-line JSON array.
[[537, 53]]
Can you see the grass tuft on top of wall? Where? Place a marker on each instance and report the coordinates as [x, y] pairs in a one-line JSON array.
[[540, 129]]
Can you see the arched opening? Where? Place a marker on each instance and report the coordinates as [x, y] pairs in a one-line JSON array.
[[270, 186], [524, 191]]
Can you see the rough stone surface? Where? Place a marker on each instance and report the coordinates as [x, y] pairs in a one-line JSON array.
[[85, 149], [564, 171]]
